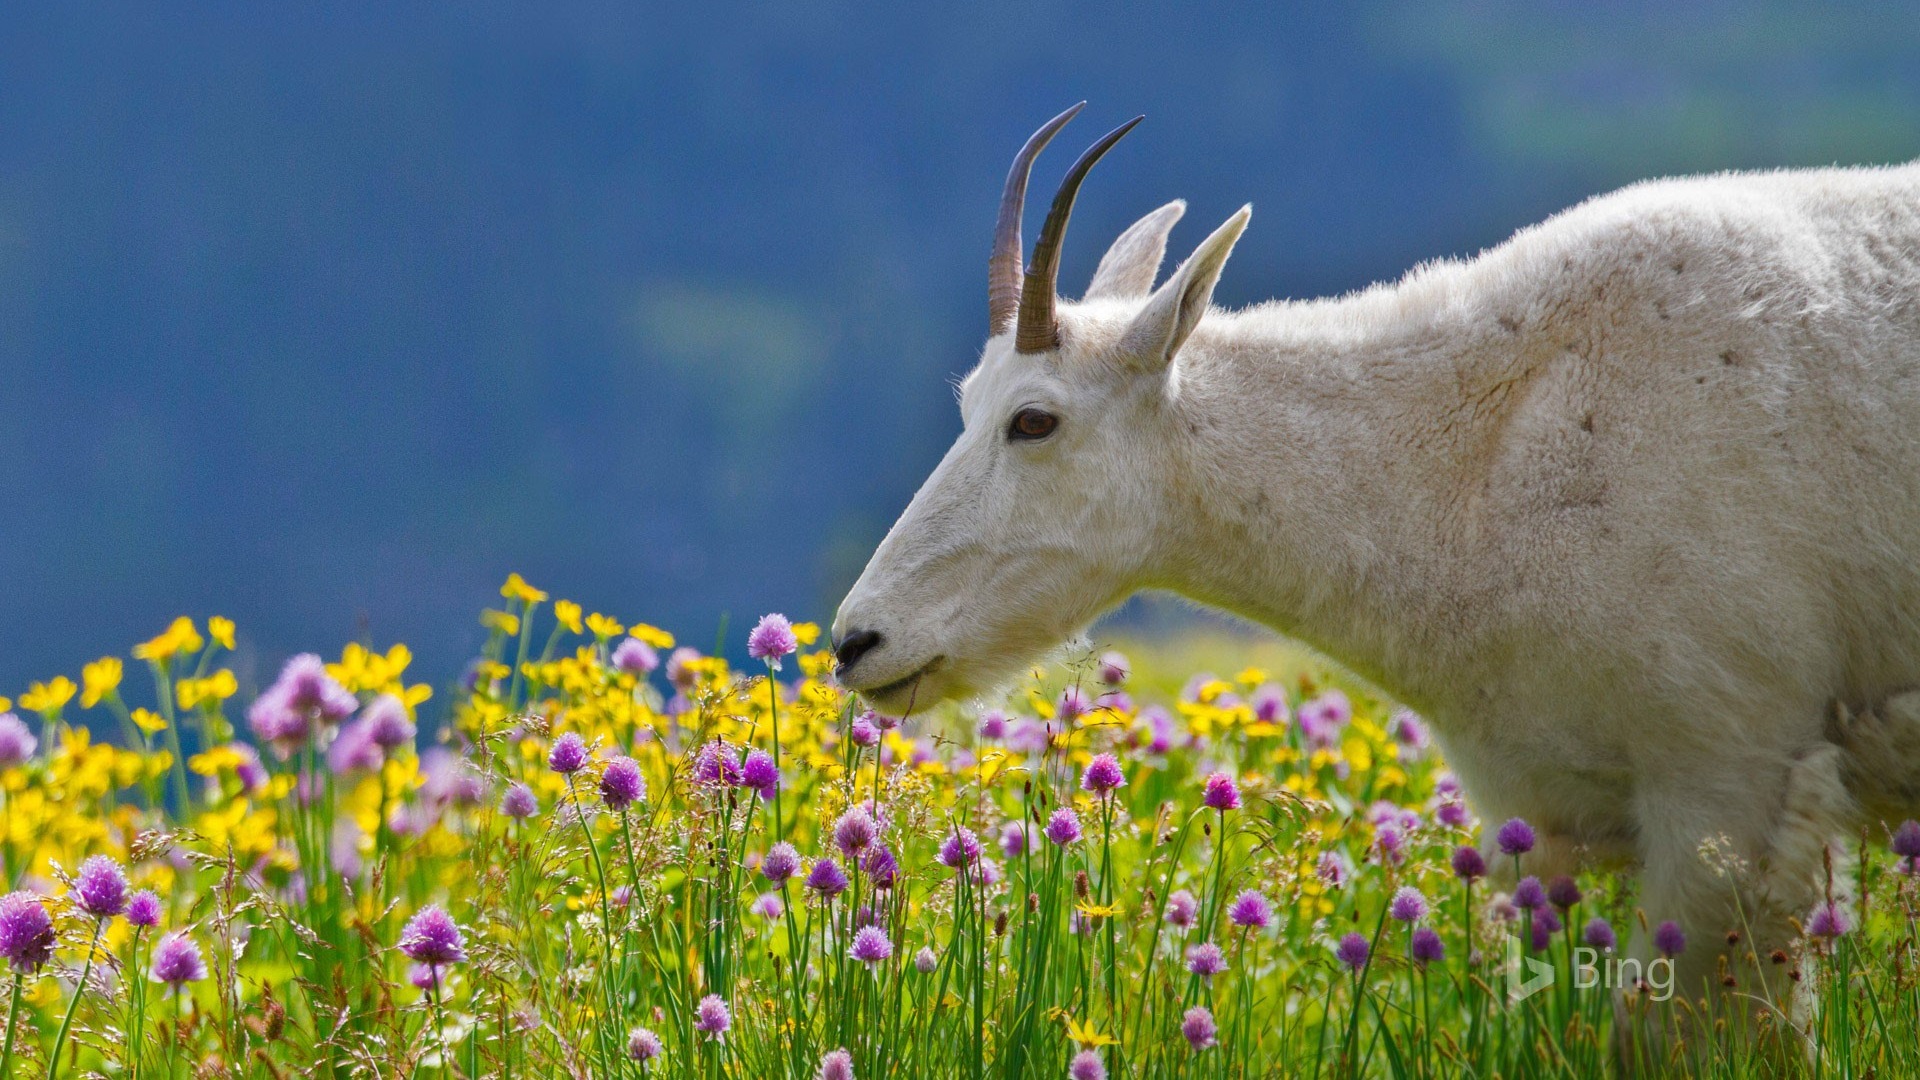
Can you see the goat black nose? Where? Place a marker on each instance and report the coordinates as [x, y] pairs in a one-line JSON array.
[[856, 645]]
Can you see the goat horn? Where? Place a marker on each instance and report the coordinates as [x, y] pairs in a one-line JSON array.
[[1038, 329], [1003, 270]]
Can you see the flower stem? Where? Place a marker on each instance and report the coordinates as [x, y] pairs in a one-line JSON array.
[[79, 991]]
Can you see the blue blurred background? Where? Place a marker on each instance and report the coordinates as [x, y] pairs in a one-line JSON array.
[[326, 318]]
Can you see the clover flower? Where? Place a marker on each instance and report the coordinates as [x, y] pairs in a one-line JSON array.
[[835, 1065], [17, 743], [1063, 827], [712, 1018], [1250, 910], [1102, 776], [1222, 793], [1515, 837], [1198, 1027], [519, 803], [176, 960], [760, 773], [1599, 935], [621, 784], [642, 1045], [1407, 905], [432, 937], [961, 849], [635, 657], [1425, 947], [854, 831], [1206, 960], [143, 910], [1468, 863], [1352, 951], [826, 878], [1182, 908], [26, 932], [1086, 1065], [870, 945], [772, 639], [569, 754], [781, 862], [100, 888]]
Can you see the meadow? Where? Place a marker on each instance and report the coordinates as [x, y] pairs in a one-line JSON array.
[[600, 852]]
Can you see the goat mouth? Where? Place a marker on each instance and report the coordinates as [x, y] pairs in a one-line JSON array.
[[900, 686]]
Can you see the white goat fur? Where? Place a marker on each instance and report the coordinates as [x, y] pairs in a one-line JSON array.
[[1628, 506]]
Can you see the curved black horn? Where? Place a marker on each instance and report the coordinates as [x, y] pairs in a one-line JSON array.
[[1003, 269], [1039, 330]]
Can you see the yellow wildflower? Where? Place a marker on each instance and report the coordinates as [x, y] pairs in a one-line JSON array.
[[149, 721], [215, 688], [568, 613], [49, 696], [1086, 1035], [179, 636], [6, 704], [500, 621], [655, 636], [101, 678], [517, 588], [220, 629], [806, 633]]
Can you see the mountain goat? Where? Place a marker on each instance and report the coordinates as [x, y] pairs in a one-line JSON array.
[[1628, 506]]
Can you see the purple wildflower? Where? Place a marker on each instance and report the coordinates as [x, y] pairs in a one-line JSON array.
[[1599, 935], [1408, 729], [781, 862], [100, 889], [26, 932], [643, 1045], [176, 960], [569, 754], [1528, 894], [835, 1065], [1182, 908], [303, 698], [1563, 892], [1206, 960], [862, 731], [712, 1018], [1086, 1066], [961, 849], [1352, 951], [386, 723], [925, 961], [1392, 844], [881, 867], [1468, 864], [771, 640], [17, 744], [144, 909], [1222, 793], [519, 803], [1906, 842], [759, 773], [1073, 705], [635, 657], [1269, 704], [854, 831], [1102, 776], [870, 945], [1199, 1028], [993, 724], [621, 784], [1063, 827], [432, 937], [1250, 910], [1114, 668], [353, 750], [1334, 868], [1322, 718], [1407, 905], [1425, 947], [768, 906], [1453, 814], [1013, 839], [1515, 837], [1545, 924], [826, 878], [1828, 921]]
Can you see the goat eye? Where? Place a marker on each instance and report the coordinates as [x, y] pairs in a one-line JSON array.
[[1029, 424]]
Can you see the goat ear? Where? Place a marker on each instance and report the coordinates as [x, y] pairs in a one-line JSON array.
[[1175, 308], [1128, 267]]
